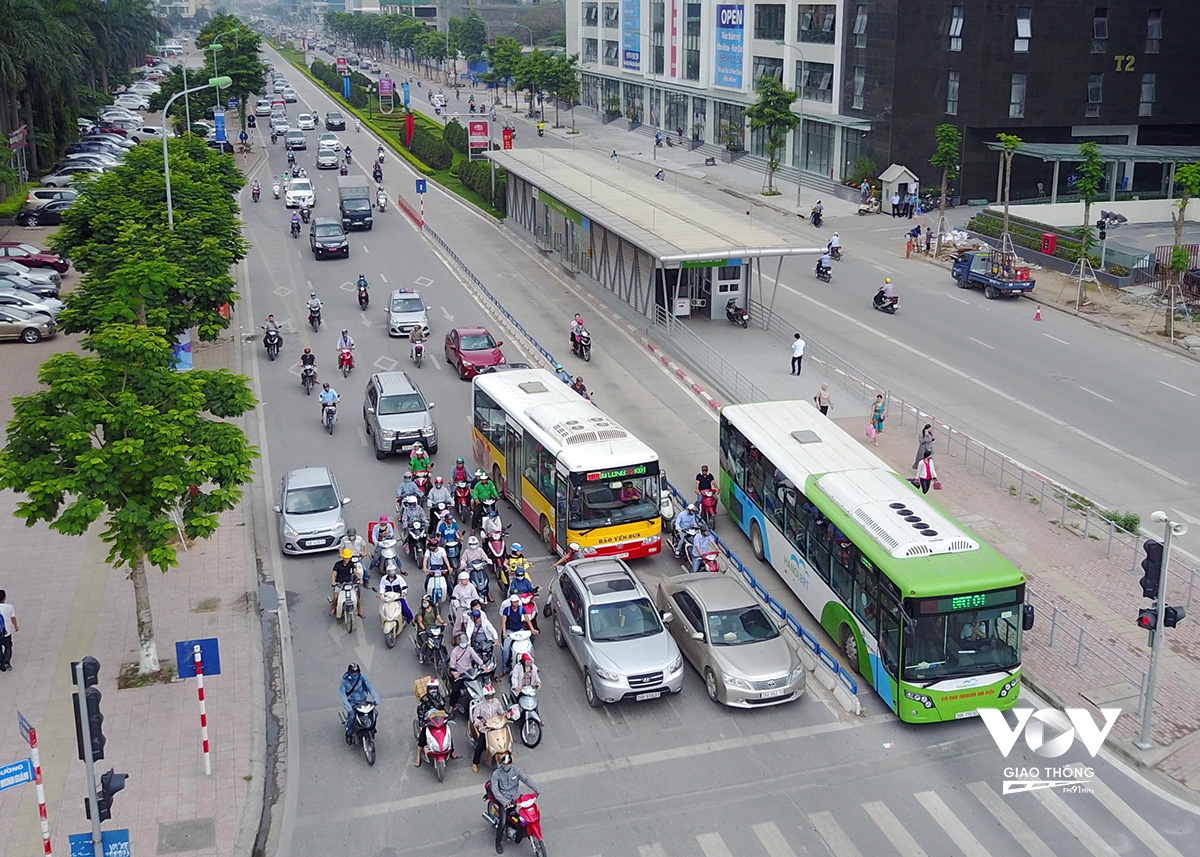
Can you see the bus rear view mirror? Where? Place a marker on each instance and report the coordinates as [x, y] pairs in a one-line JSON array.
[[1027, 617]]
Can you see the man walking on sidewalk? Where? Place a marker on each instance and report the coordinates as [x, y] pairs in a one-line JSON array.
[[8, 627], [797, 354]]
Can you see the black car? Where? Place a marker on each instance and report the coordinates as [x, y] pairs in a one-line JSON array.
[[49, 214], [40, 290], [327, 238], [221, 146], [335, 121], [94, 146]]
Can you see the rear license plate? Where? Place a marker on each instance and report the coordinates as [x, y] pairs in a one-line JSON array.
[[771, 694], [644, 696]]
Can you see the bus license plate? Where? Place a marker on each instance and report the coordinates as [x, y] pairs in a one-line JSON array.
[[961, 714], [644, 696], [771, 694]]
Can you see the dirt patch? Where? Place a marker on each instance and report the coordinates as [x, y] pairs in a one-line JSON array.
[[129, 677], [205, 605]]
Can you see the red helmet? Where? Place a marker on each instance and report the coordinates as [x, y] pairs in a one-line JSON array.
[[437, 480]]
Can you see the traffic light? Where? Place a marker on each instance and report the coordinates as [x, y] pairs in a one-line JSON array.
[[1102, 225], [1152, 566], [1147, 619], [1172, 616], [110, 783], [91, 695]]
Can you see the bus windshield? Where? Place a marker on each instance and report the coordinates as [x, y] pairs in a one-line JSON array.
[[601, 504], [956, 645]]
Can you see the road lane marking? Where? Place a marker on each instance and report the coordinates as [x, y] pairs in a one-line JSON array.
[[446, 313], [835, 838], [712, 845], [1010, 821], [1097, 395], [1056, 339], [948, 821], [980, 342], [1138, 826], [772, 839], [894, 829], [979, 382], [954, 297], [1087, 837], [383, 279], [1179, 389], [362, 436], [654, 850], [366, 249]]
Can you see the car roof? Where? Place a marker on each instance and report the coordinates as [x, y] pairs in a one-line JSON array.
[[471, 331], [409, 293], [391, 383], [326, 221], [607, 580], [308, 477], [716, 591]]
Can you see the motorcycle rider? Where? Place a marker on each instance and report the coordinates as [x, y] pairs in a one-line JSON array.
[[392, 582], [417, 334], [362, 282], [518, 567], [344, 571], [474, 553], [447, 530], [304, 213], [823, 264], [574, 551], [426, 618], [355, 689], [308, 359], [487, 709], [272, 325], [434, 561], [562, 374], [576, 326], [483, 490], [295, 223], [327, 396], [439, 493], [412, 512], [379, 154], [835, 244], [348, 153], [357, 546], [462, 659], [314, 305], [512, 618], [406, 489], [526, 674], [460, 472], [579, 387], [384, 529], [817, 213], [478, 627], [431, 701], [256, 189], [377, 174], [418, 458], [686, 520], [886, 293], [704, 543], [705, 481], [506, 787], [346, 343], [463, 594], [381, 198]]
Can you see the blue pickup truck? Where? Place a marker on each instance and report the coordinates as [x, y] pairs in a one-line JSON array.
[[980, 267]]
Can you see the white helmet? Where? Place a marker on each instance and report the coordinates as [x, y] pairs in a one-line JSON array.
[[410, 500]]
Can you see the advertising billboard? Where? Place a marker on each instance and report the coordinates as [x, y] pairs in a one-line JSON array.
[[731, 46], [631, 35]]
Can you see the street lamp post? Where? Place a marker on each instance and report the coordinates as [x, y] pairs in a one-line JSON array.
[[213, 81], [526, 29], [800, 93], [215, 46]]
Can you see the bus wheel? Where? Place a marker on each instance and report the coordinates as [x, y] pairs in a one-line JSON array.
[[756, 540], [547, 533], [850, 648]]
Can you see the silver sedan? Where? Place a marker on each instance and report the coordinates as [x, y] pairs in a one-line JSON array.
[[726, 635]]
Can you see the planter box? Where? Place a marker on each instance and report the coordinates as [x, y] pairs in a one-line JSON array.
[[692, 145], [633, 125], [729, 157], [611, 117]]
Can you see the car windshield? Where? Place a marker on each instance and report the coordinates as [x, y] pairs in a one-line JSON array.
[[602, 504], [329, 230], [407, 305], [304, 501], [477, 341], [404, 403], [738, 627], [356, 204], [29, 248], [296, 135], [300, 184], [956, 645], [623, 620], [334, 117]]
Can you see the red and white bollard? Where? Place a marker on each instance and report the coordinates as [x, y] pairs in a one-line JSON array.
[[41, 789], [421, 196], [203, 715]]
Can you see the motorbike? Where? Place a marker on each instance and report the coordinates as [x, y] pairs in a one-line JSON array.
[[735, 313], [391, 616], [305, 216], [498, 736], [835, 253], [815, 218], [491, 533], [431, 649], [314, 318], [308, 377], [387, 556], [883, 303], [681, 541], [329, 415], [524, 713], [708, 508], [379, 153], [529, 605], [421, 480], [364, 294], [522, 642], [435, 585], [295, 229], [462, 501], [418, 352], [366, 718], [272, 340], [377, 175], [255, 192], [581, 345], [381, 200], [415, 541], [345, 361], [524, 817], [348, 153], [871, 206], [472, 682], [438, 741], [478, 569], [275, 189], [342, 170], [453, 545], [825, 275], [708, 560], [346, 605]]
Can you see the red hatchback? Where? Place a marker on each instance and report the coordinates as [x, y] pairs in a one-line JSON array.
[[32, 257], [469, 349]]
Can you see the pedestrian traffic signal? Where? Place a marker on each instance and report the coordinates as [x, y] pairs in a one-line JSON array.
[[90, 669], [1147, 619], [1152, 567], [1172, 616], [1102, 225]]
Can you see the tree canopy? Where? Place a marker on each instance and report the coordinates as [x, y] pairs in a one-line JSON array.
[[772, 114], [237, 59]]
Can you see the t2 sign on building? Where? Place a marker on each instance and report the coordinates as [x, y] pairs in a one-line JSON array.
[[731, 47], [631, 36]]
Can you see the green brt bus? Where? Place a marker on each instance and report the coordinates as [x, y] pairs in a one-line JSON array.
[[928, 614]]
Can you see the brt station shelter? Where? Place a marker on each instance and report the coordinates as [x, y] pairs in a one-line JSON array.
[[665, 251]]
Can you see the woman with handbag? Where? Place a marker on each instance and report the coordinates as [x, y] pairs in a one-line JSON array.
[[877, 418], [926, 472]]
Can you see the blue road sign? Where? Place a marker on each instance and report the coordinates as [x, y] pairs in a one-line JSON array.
[[420, 185], [233, 103], [346, 87], [219, 122], [16, 774], [24, 726], [210, 657], [404, 89], [113, 843]]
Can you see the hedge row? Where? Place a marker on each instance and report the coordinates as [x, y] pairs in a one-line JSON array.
[[477, 175], [1025, 233], [456, 136], [430, 149], [329, 76]]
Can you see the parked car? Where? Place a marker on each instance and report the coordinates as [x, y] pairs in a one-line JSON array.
[[731, 641], [326, 238], [396, 415], [146, 132], [39, 196], [99, 159], [32, 257], [38, 289], [32, 304], [220, 145], [604, 616], [101, 146], [335, 121], [406, 310], [46, 215], [470, 348], [18, 324], [42, 277], [115, 139], [311, 511], [66, 173]]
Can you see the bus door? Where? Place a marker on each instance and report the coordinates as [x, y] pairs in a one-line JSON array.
[[513, 454], [561, 510]]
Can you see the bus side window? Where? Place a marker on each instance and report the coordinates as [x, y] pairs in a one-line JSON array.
[[793, 523], [889, 635], [866, 595], [818, 544], [841, 564]]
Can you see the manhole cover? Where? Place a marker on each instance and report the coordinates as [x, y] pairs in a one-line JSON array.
[[179, 837]]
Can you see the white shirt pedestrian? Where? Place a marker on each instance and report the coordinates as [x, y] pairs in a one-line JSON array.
[[797, 354]]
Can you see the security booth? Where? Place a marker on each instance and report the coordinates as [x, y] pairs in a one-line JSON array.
[[897, 179], [664, 250]]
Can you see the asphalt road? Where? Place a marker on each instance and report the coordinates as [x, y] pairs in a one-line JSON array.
[[677, 776]]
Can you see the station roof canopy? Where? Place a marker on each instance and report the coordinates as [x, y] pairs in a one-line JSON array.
[[672, 224], [1141, 154]]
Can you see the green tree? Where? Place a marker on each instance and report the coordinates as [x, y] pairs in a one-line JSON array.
[[503, 57], [117, 437], [546, 21], [1187, 182], [472, 37], [1011, 143], [237, 59], [135, 269], [533, 73], [562, 82], [772, 114], [1090, 180], [946, 155]]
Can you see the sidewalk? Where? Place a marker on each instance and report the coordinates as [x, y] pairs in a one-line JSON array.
[[71, 603]]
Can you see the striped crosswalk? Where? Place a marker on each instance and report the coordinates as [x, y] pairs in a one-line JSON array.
[[975, 821]]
